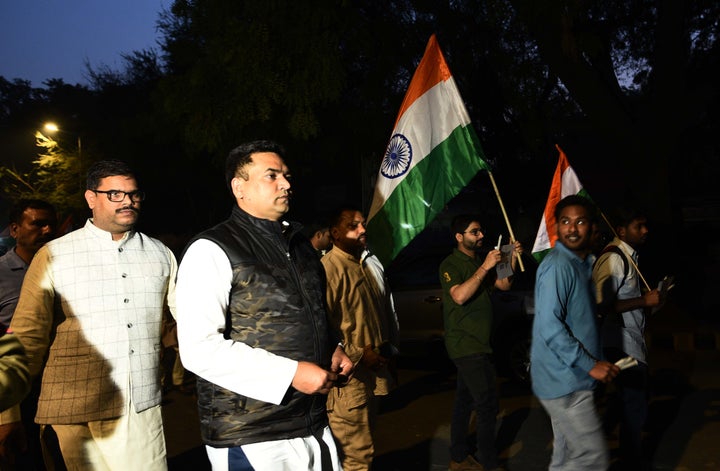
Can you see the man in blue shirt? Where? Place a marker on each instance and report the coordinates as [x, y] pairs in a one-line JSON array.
[[565, 353]]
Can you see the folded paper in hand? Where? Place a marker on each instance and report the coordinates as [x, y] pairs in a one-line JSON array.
[[504, 266], [626, 362]]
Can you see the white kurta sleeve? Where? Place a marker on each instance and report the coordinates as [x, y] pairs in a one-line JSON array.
[[202, 296]]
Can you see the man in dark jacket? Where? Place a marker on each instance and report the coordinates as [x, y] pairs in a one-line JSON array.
[[252, 326]]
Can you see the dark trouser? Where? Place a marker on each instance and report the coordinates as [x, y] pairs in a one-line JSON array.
[[43, 450], [632, 403], [476, 389]]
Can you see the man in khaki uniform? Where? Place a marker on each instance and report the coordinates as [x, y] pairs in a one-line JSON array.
[[360, 306]]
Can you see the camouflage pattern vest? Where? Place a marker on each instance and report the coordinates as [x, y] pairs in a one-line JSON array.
[[277, 303]]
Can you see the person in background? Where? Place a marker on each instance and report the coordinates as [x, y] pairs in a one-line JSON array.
[[319, 235], [360, 305], [623, 306], [33, 223], [89, 317], [565, 354], [252, 326], [467, 281]]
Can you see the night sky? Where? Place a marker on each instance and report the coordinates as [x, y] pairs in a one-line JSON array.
[[43, 39]]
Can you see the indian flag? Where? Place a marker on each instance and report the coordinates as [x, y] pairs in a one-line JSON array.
[[433, 153], [565, 183]]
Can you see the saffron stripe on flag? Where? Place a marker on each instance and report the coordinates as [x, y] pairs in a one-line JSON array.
[[564, 183]]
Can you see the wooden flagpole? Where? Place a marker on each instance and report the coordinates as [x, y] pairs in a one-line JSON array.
[[507, 221], [629, 258]]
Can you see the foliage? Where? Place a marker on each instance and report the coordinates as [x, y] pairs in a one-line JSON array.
[[54, 177], [235, 65], [628, 89], [644, 75]]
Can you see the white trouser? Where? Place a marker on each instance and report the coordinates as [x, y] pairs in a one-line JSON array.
[[295, 454]]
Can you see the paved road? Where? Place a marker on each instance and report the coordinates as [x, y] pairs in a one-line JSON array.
[[683, 429]]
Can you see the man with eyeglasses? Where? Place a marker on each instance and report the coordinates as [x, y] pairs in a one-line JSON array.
[[92, 305], [467, 281]]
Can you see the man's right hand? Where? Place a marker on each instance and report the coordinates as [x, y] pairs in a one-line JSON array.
[[311, 379], [493, 258], [652, 298], [604, 371]]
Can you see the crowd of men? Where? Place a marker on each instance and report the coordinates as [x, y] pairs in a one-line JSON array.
[[291, 333]]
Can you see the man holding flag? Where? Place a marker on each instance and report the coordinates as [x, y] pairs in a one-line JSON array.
[[624, 306], [432, 155], [467, 281]]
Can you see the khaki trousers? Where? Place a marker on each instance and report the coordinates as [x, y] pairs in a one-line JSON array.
[[352, 412]]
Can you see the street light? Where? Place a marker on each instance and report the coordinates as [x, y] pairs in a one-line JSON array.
[[53, 128]]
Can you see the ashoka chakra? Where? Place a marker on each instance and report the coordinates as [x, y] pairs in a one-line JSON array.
[[398, 157]]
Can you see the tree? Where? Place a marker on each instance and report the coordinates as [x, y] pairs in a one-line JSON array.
[[54, 177], [644, 75], [628, 89], [236, 66]]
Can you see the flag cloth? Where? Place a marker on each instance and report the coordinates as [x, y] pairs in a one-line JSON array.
[[565, 183], [433, 153]]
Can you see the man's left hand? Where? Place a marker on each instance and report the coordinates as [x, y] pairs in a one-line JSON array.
[[372, 359]]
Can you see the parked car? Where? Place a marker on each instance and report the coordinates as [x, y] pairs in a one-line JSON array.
[[418, 302]]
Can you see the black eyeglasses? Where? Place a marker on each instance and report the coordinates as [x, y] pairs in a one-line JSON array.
[[473, 231], [117, 196]]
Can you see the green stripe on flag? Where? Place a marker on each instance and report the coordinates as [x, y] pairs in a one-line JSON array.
[[424, 192]]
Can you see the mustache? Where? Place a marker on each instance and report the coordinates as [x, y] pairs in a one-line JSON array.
[[128, 208]]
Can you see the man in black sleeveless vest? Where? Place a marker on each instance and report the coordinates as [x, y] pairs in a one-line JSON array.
[[252, 326]]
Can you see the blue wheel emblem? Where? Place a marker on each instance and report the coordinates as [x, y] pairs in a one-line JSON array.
[[398, 157]]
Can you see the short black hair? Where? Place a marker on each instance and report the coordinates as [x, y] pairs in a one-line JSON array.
[[462, 221], [335, 216], [17, 210], [241, 156], [623, 216], [311, 228], [577, 200], [107, 168]]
